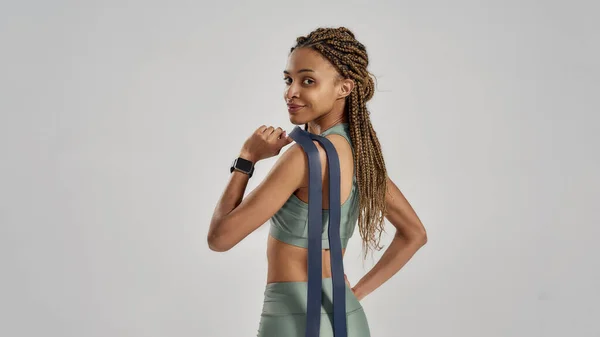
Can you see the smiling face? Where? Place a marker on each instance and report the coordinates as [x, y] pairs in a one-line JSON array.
[[312, 82]]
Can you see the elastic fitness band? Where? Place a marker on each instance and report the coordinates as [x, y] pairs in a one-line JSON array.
[[315, 225]]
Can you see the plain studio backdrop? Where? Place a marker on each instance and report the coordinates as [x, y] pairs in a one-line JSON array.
[[119, 121]]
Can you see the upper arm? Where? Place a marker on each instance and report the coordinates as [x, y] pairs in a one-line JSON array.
[[287, 174], [401, 214]]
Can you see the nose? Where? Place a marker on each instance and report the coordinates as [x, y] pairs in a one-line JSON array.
[[291, 92]]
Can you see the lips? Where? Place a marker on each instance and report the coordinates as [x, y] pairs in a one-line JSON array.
[[294, 108]]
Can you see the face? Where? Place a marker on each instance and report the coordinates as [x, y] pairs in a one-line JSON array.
[[313, 83]]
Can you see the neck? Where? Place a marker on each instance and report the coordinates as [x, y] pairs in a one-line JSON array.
[[324, 122]]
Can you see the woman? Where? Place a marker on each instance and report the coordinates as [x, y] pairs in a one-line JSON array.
[[327, 86]]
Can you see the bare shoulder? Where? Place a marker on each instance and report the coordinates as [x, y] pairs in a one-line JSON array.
[[295, 158], [339, 141]]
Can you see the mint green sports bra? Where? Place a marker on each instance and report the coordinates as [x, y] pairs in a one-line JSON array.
[[290, 223]]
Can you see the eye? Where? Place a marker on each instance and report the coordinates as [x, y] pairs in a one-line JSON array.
[[306, 81]]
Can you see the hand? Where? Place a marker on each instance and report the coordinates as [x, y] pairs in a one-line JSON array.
[[265, 142], [349, 286]]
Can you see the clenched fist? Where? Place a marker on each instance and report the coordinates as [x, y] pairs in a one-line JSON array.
[[265, 142]]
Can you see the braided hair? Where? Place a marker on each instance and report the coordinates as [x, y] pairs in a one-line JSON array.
[[349, 57]]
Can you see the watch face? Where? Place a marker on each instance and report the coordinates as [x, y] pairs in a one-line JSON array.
[[244, 165]]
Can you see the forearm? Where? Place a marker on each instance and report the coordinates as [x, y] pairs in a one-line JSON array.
[[230, 199], [398, 253]]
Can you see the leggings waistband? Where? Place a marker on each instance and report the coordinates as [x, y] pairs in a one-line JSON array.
[[284, 298]]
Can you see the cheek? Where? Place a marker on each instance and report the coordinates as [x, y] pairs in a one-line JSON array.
[[325, 101], [319, 98]]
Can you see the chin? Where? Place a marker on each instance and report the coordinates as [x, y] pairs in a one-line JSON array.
[[297, 121]]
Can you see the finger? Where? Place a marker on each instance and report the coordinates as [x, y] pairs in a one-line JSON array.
[[261, 129], [276, 133], [285, 138], [268, 131]]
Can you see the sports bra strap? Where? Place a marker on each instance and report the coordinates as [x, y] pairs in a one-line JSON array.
[[315, 225]]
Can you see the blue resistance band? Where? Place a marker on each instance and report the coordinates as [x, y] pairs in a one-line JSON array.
[[315, 225]]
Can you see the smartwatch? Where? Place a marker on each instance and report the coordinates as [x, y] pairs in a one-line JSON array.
[[242, 165]]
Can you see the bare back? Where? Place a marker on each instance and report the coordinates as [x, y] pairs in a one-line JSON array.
[[288, 263]]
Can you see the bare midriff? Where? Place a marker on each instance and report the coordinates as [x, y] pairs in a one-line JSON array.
[[288, 263]]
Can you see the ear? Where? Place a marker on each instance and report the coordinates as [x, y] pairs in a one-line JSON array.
[[346, 87]]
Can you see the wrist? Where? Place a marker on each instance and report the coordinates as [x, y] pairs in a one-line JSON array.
[[248, 156], [359, 291], [243, 164], [356, 293]]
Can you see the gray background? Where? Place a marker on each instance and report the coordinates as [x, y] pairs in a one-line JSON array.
[[119, 121]]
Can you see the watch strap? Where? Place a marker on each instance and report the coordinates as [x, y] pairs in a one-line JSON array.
[[241, 164]]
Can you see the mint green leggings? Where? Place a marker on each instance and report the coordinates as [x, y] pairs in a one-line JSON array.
[[284, 311]]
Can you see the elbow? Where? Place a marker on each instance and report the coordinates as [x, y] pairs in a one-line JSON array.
[[416, 237], [419, 235], [216, 243], [422, 238]]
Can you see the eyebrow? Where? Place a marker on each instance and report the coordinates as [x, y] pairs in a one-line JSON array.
[[300, 71]]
